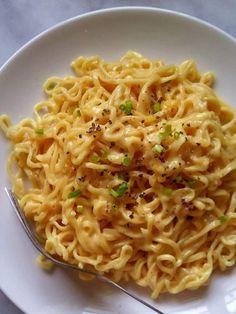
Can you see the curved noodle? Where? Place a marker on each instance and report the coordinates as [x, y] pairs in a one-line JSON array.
[[129, 168]]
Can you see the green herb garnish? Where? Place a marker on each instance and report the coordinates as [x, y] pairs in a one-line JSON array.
[[126, 107], [74, 194], [178, 178], [104, 154], [167, 191], [39, 131], [121, 177], [167, 132], [95, 159], [158, 149], [126, 161], [223, 218], [191, 183], [156, 107], [120, 190], [78, 112]]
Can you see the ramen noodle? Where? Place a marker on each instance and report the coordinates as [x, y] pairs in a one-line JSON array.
[[129, 169]]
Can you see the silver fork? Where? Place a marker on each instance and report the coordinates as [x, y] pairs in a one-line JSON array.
[[31, 234]]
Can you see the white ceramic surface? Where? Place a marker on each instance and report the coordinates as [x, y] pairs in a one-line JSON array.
[[109, 33]]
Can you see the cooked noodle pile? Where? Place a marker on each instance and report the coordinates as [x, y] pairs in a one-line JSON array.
[[129, 169]]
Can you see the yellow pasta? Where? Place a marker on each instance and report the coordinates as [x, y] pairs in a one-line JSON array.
[[129, 169]]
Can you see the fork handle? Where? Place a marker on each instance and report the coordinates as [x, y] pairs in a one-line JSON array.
[[114, 284]]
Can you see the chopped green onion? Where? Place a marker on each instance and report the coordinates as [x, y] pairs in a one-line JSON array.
[[156, 107], [78, 112], [178, 178], [121, 177], [39, 131], [191, 183], [167, 191], [79, 208], [104, 154], [223, 218], [168, 129], [126, 161], [177, 135], [95, 159], [114, 193], [120, 190], [167, 132], [157, 149], [126, 107], [74, 194]]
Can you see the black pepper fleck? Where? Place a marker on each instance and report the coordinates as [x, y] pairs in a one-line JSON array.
[[189, 217]]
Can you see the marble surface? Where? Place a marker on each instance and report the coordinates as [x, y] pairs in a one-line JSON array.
[[21, 20]]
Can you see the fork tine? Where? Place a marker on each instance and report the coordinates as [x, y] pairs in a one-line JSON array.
[[13, 199]]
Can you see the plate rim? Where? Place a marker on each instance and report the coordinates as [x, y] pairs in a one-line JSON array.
[[108, 10], [85, 15]]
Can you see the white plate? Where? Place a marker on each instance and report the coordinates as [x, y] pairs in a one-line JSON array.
[[110, 33]]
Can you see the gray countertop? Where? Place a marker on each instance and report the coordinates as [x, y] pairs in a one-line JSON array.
[[21, 20]]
